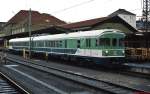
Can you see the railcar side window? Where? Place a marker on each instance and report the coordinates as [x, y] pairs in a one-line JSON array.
[[26, 43], [46, 43], [34, 44], [53, 43], [60, 43], [104, 42], [40, 44], [88, 42], [65, 43], [10, 43], [78, 43], [57, 43], [49, 43], [16, 44]]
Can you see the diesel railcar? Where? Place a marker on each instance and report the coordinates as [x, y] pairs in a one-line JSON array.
[[98, 46]]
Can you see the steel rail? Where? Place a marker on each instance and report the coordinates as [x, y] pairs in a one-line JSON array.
[[80, 78], [13, 84]]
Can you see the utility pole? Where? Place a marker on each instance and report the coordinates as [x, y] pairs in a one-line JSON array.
[[145, 16], [145, 13], [29, 30]]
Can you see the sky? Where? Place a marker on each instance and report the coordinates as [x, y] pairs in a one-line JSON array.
[[69, 10]]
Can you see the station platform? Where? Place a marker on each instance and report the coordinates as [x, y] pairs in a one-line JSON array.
[[139, 67]]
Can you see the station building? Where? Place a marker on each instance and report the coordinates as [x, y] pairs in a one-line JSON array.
[[120, 19], [42, 23], [1, 33], [1, 28], [18, 26], [19, 22]]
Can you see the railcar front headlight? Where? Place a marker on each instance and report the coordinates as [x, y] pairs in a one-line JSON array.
[[106, 51], [123, 51]]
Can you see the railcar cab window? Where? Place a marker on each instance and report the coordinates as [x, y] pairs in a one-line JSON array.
[[104, 42], [121, 42], [96, 43], [114, 42]]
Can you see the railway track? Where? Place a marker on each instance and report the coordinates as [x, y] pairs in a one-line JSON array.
[[8, 86], [80, 78], [136, 74]]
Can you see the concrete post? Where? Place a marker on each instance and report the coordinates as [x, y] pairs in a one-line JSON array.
[[24, 53], [46, 56]]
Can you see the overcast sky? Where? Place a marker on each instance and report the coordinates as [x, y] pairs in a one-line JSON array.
[[69, 10]]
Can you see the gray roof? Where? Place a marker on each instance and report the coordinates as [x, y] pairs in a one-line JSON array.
[[121, 11]]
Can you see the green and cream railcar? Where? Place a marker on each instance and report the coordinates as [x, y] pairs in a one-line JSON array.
[[100, 46]]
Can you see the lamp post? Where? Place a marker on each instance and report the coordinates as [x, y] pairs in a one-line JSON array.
[[29, 30]]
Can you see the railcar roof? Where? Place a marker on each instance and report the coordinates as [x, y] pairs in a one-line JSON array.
[[80, 34]]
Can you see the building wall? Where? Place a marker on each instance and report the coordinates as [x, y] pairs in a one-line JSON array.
[[130, 19], [18, 28], [140, 25], [8, 29]]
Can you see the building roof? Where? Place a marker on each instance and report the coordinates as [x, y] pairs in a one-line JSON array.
[[86, 23], [121, 11], [36, 18], [74, 35], [89, 24]]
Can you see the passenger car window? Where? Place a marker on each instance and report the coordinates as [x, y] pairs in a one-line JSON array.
[[88, 42]]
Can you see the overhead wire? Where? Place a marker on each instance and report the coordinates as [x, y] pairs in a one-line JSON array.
[[136, 9], [76, 5]]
